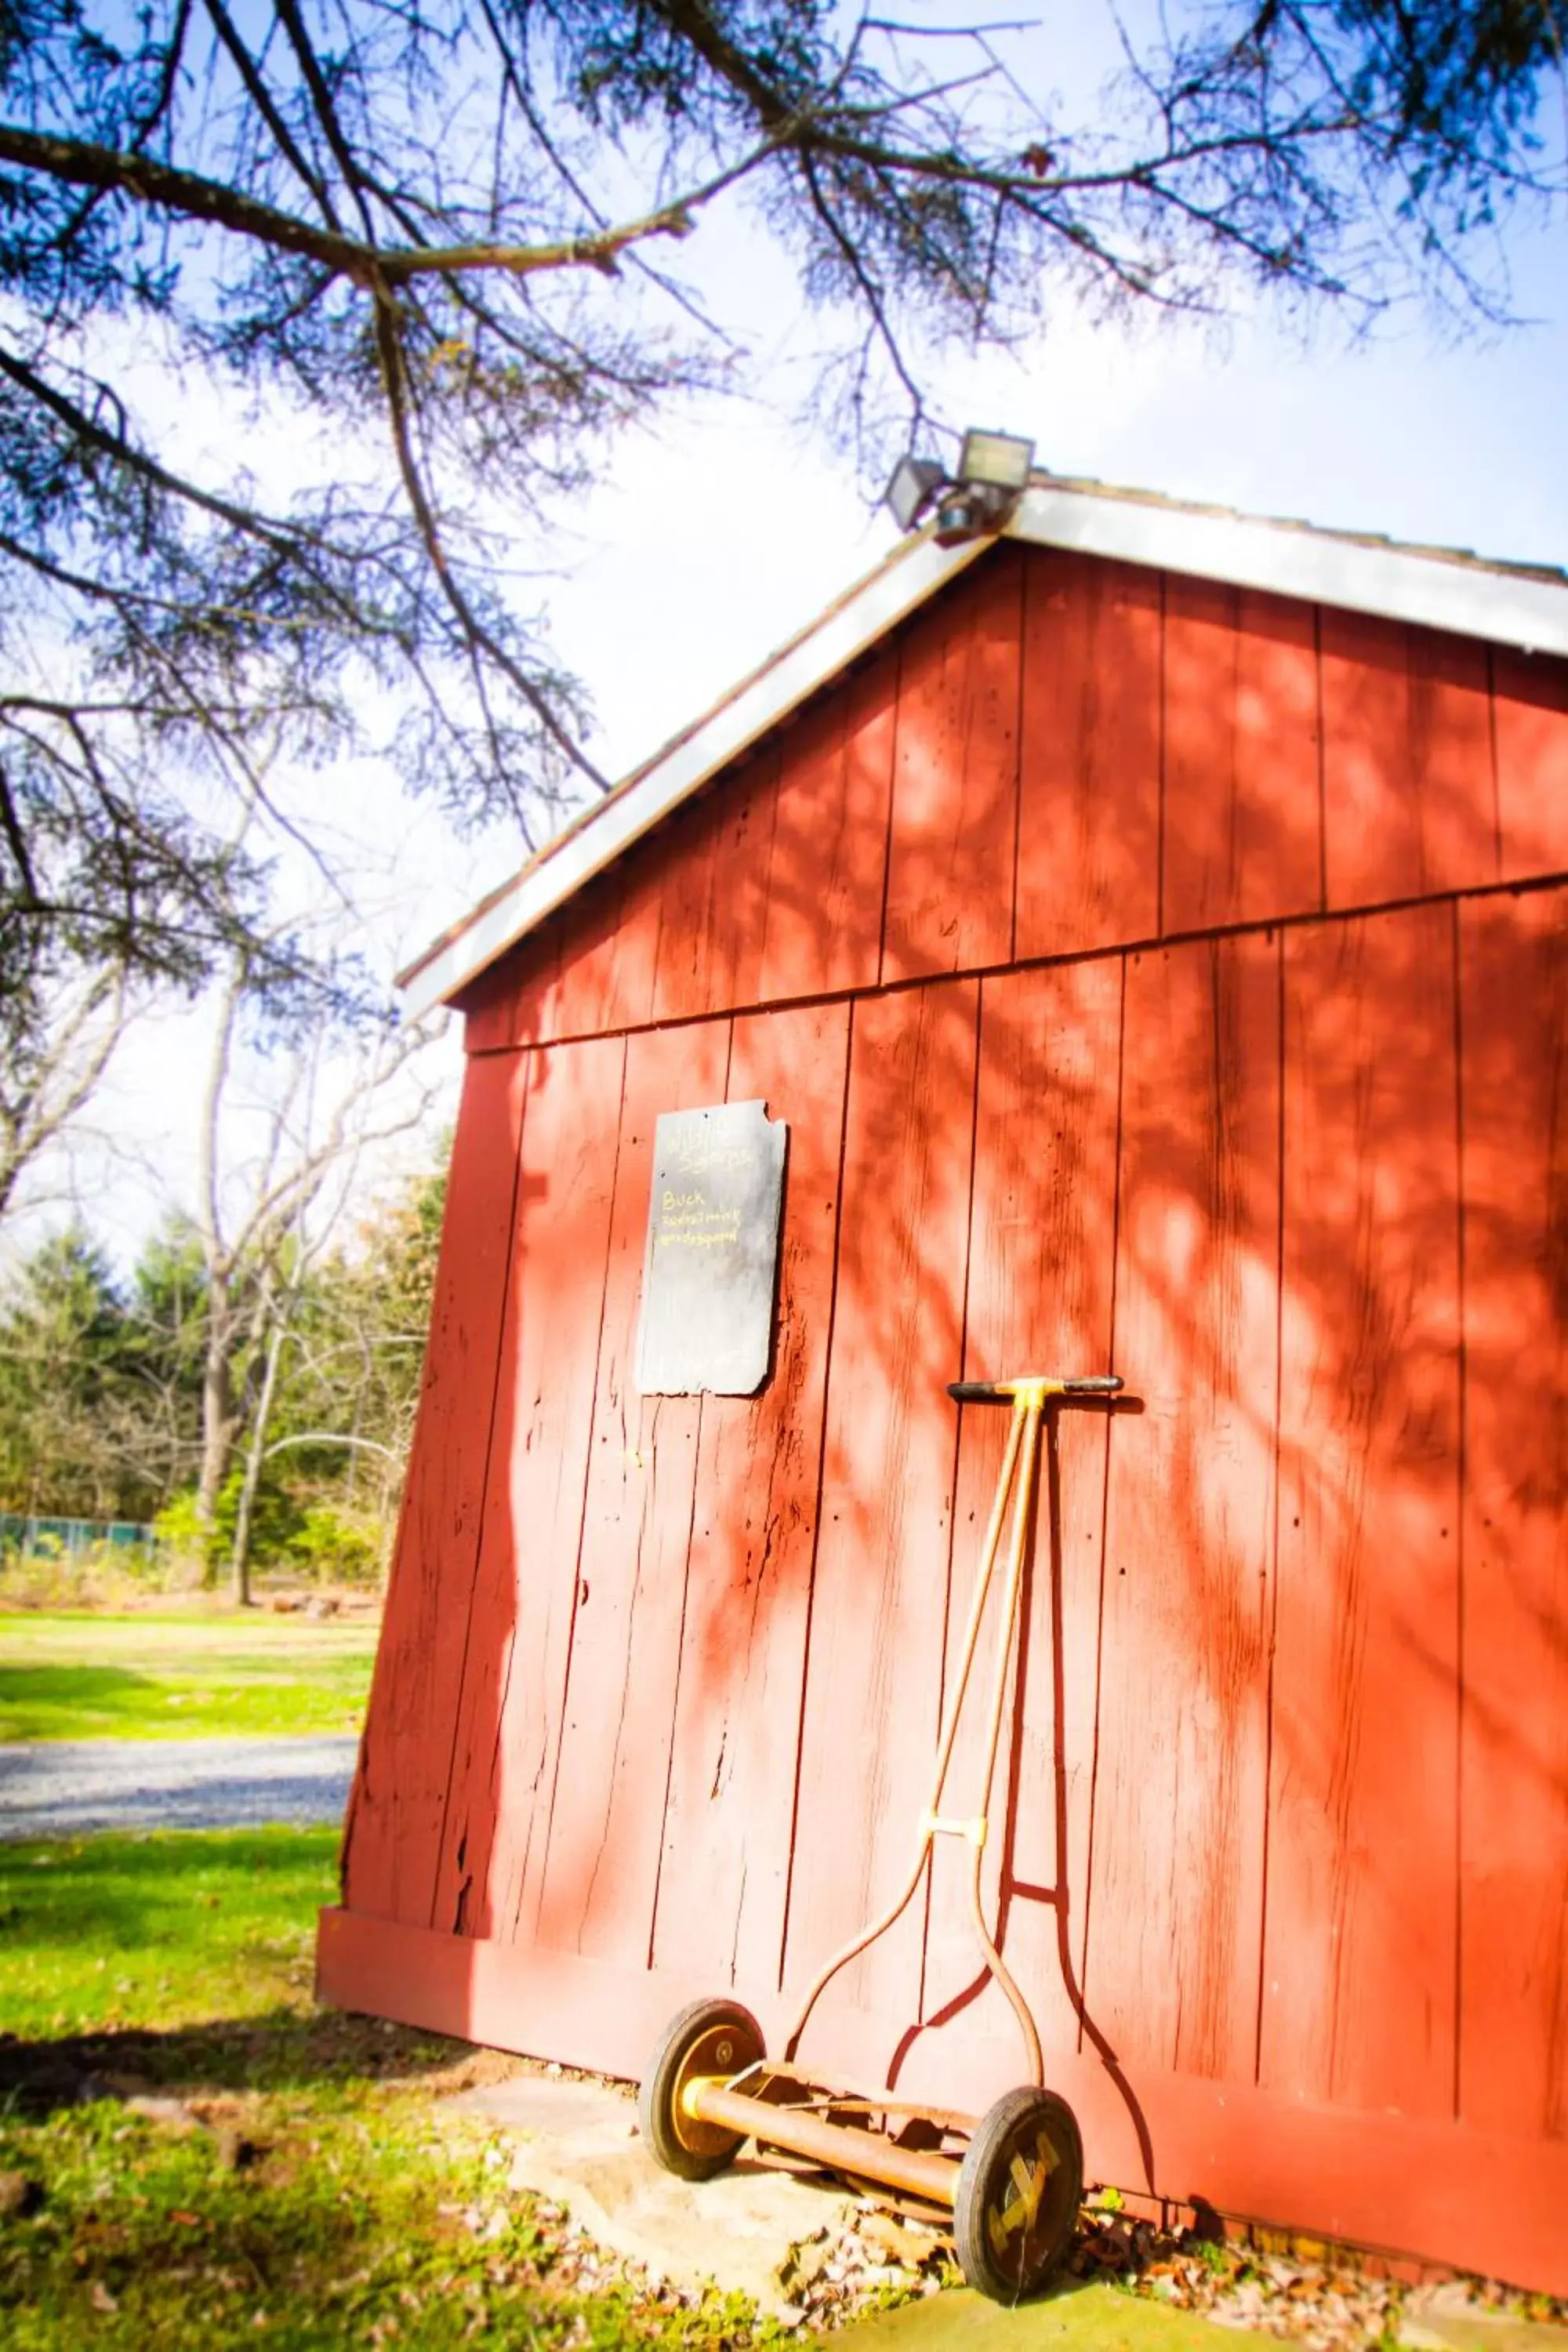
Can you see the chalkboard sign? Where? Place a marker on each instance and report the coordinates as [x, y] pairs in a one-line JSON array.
[[711, 1268]]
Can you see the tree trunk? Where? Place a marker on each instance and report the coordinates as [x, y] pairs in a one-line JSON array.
[[255, 1454], [220, 1418]]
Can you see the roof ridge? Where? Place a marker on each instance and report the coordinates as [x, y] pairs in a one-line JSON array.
[[1431, 552]]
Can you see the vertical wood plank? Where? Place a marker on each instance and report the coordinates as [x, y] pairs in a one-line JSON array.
[[1409, 792], [1362, 1920], [1181, 1788], [873, 1676], [589, 968], [1041, 1269], [399, 1795], [511, 1005], [1531, 711], [729, 1817], [713, 909], [1088, 822], [955, 778], [822, 927], [608, 950], [596, 1893], [509, 1710], [1242, 835], [1514, 1835]]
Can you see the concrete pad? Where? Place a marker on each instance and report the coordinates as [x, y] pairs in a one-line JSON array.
[[577, 2143], [554, 2109], [1091, 2317], [1443, 2319]]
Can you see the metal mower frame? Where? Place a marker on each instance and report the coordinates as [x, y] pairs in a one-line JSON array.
[[1011, 2180]]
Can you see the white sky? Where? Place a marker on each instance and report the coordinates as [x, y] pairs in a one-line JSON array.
[[709, 543]]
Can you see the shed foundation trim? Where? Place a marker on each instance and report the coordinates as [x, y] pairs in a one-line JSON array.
[[1401, 2184]]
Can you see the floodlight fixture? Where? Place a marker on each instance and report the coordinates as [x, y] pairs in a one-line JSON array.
[[996, 461], [993, 473], [915, 482]]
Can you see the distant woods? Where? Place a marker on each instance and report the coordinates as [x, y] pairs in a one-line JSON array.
[[101, 1383]]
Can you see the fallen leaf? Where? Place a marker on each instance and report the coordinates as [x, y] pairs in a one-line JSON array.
[[905, 2245]]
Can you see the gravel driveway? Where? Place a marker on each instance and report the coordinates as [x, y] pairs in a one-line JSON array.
[[56, 1787]]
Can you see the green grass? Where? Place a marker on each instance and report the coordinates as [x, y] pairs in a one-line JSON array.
[[166, 1930], [1091, 2317], [173, 1677], [211, 2161]]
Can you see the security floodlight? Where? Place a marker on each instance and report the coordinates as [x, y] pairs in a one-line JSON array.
[[915, 479], [993, 468], [996, 461]]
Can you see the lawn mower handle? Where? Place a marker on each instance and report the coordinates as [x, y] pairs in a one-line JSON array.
[[1001, 1392]]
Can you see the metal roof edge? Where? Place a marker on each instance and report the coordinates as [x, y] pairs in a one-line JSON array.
[[1524, 605], [1433, 588], [916, 569]]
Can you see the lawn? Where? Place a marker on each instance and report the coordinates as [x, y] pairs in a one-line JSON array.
[[166, 1931], [179, 1677], [193, 2155]]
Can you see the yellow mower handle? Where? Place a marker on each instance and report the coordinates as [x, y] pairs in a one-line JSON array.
[[1008, 1392]]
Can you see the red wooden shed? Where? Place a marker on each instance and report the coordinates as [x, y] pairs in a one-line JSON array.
[[1153, 925]]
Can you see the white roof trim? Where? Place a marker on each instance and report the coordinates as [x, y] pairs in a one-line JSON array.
[[1427, 587], [1435, 591]]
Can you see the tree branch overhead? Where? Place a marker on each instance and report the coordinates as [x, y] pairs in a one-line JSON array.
[[431, 235]]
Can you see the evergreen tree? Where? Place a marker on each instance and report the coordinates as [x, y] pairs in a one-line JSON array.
[[69, 1406]]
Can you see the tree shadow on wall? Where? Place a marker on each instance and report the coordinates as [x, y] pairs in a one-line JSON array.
[[1228, 1168]]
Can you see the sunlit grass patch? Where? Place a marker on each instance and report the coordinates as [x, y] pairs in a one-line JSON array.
[[326, 2216], [199, 2157], [180, 1677], [164, 1929]]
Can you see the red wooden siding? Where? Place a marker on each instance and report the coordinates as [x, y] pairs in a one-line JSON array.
[[1139, 966], [1041, 1271], [1530, 715], [509, 1710], [822, 915], [724, 1871], [955, 781], [1243, 814], [1409, 785], [605, 976], [1088, 816], [880, 1603], [1057, 756], [1513, 1834], [1175, 1904], [710, 916], [399, 1798], [596, 1888], [1359, 2002]]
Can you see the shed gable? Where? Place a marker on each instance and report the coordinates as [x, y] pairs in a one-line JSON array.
[[1059, 754]]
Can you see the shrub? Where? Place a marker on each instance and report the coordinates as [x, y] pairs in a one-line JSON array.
[[44, 1574], [178, 1531], [336, 1547]]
